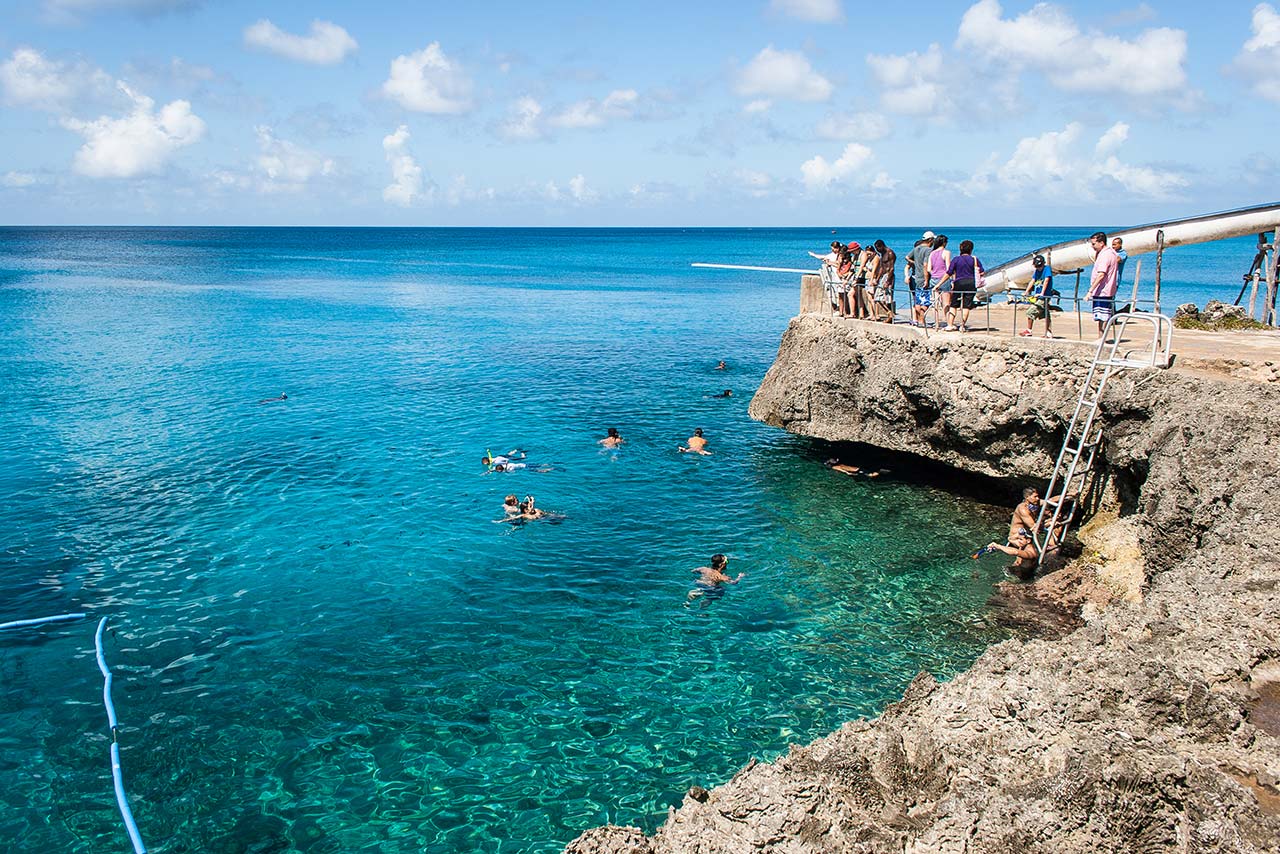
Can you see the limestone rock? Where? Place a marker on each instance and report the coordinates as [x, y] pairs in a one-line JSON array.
[[1152, 728]]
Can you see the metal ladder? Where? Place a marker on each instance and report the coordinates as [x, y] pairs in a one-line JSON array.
[[1084, 434]]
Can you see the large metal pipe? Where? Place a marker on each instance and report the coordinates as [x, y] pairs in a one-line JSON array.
[[1139, 240]]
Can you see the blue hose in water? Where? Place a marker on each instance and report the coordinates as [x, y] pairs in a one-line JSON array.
[[130, 825], [61, 618]]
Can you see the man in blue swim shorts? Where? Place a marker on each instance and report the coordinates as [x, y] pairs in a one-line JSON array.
[[1104, 280]]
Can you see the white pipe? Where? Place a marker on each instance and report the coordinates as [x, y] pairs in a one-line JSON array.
[[1139, 240]]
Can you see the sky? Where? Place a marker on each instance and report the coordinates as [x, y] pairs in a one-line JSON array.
[[750, 113]]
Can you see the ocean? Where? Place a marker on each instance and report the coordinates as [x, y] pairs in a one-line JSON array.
[[323, 640]]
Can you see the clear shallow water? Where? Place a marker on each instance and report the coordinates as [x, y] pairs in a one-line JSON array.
[[323, 643]]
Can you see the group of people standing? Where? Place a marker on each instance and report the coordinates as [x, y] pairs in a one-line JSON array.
[[946, 283], [863, 279]]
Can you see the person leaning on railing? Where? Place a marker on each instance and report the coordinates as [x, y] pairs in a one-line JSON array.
[[1038, 293]]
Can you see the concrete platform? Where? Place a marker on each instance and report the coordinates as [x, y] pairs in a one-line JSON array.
[[1246, 355]]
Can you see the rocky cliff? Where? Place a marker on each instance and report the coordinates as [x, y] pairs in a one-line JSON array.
[[1155, 727]]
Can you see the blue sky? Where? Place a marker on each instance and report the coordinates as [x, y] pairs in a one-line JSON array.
[[772, 112]]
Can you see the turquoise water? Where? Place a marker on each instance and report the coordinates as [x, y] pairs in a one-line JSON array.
[[322, 641]]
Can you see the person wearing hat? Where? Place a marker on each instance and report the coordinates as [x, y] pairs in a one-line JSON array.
[[1038, 292], [918, 277]]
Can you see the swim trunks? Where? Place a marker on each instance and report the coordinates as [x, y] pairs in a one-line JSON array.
[[1103, 308]]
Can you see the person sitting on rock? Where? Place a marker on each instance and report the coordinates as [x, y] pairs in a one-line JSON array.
[[1021, 544]]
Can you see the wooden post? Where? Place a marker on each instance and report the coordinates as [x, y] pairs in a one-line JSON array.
[[1159, 265], [1137, 275], [1269, 307], [1253, 297]]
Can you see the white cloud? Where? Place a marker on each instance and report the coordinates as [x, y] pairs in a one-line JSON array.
[[287, 167], [1259, 58], [850, 126], [755, 184], [429, 82], [1047, 39], [17, 179], [782, 74], [29, 79], [579, 190], [883, 183], [618, 104], [810, 10], [406, 175], [819, 174], [1112, 139], [760, 105], [1061, 164], [1266, 28], [460, 192], [524, 120], [913, 83], [326, 43], [138, 143]]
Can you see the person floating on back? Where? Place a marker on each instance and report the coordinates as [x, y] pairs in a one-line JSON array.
[[695, 444], [726, 393], [282, 396], [852, 471], [711, 579]]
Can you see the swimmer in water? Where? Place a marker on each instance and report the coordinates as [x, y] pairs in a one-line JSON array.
[[722, 366], [712, 579], [528, 511], [612, 440], [695, 444], [726, 393], [282, 396], [534, 514], [504, 468], [490, 459], [851, 471], [510, 508]]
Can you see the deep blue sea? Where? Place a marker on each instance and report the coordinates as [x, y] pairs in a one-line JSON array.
[[322, 640]]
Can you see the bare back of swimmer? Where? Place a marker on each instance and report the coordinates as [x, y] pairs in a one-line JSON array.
[[695, 444]]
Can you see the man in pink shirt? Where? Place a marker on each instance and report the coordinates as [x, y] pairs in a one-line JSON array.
[[1104, 281]]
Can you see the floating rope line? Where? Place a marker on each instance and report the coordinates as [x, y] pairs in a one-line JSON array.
[[130, 825], [61, 618]]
